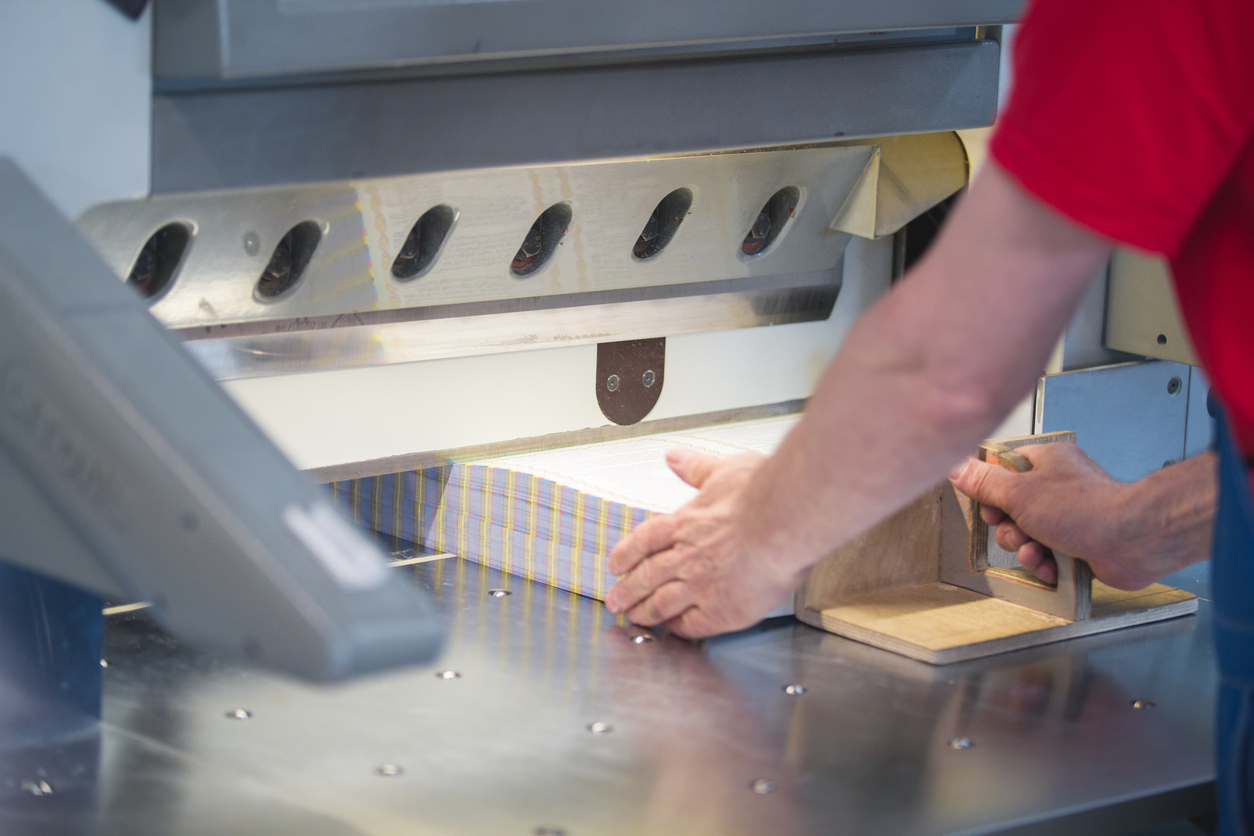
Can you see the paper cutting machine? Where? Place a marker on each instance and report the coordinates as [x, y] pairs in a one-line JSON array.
[[404, 307]]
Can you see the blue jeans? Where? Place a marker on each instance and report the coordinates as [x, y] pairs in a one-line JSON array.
[[1232, 582]]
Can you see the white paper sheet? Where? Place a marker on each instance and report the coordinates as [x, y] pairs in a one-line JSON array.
[[633, 471]]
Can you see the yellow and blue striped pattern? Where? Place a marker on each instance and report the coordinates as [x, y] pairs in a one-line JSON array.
[[517, 522]]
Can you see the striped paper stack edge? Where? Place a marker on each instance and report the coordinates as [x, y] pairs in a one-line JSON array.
[[519, 523], [497, 513]]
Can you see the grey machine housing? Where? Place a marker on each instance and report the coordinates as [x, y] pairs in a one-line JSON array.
[[125, 470]]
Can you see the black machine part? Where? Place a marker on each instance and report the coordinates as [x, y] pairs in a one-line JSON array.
[[124, 469]]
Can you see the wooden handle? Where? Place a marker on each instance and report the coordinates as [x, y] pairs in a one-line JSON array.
[[1016, 462], [1007, 458], [1071, 572], [964, 547]]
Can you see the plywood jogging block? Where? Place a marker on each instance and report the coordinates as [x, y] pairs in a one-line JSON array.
[[929, 583]]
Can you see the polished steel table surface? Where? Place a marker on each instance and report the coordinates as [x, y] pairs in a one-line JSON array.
[[562, 720]]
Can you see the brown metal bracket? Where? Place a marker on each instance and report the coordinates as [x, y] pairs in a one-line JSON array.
[[629, 378]]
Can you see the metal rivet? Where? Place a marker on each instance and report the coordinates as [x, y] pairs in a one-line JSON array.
[[644, 638], [252, 243], [648, 379], [794, 690], [239, 714], [1144, 704], [600, 728], [36, 787], [960, 743], [104, 663], [389, 770], [611, 383], [550, 830], [1174, 385], [499, 593], [449, 675], [762, 786]]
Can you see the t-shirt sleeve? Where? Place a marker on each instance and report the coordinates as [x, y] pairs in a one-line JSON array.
[[1128, 115]]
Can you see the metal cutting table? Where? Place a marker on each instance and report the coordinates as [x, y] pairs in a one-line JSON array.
[[546, 715]]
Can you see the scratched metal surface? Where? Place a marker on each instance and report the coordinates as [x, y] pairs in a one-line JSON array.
[[1056, 744]]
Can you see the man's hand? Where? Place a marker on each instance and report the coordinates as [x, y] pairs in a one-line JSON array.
[[1131, 535], [693, 570]]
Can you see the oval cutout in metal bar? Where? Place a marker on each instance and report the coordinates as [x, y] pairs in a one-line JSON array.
[[424, 243], [159, 259], [663, 224], [542, 240], [289, 260], [771, 220]]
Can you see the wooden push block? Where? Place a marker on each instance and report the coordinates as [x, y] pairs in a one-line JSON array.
[[921, 584]]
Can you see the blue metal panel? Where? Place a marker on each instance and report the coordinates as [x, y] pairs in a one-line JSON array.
[[1130, 418]]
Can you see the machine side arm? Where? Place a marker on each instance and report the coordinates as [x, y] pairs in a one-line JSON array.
[[110, 427]]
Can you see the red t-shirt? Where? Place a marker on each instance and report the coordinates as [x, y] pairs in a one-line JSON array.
[[1135, 118]]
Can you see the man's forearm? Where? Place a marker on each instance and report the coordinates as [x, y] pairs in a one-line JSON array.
[[934, 367], [1167, 518]]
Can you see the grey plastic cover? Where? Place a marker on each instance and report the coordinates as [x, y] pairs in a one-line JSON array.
[[124, 467]]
